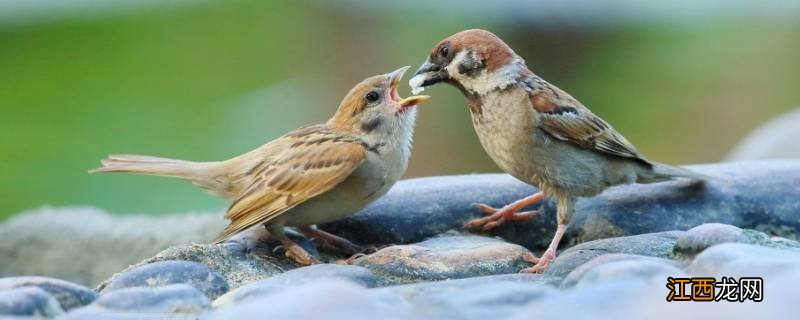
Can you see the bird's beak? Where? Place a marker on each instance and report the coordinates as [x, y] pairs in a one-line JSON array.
[[429, 73], [402, 103]]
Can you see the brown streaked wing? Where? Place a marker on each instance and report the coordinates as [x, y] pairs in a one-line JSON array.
[[314, 164], [575, 123]]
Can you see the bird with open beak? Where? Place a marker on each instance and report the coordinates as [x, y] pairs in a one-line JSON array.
[[311, 175], [535, 131]]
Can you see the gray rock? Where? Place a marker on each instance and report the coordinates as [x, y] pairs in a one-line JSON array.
[[635, 299], [86, 245], [156, 274], [745, 260], [756, 195], [621, 266], [474, 298], [604, 300], [234, 262], [652, 245], [446, 257], [776, 139], [705, 235], [174, 298], [650, 271], [528, 279], [28, 301], [357, 275], [170, 301], [68, 294], [325, 299], [92, 313]]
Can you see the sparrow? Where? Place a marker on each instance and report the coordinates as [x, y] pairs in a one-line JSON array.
[[312, 175], [536, 132]]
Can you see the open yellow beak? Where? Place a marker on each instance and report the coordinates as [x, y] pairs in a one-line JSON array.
[[413, 101], [395, 77]]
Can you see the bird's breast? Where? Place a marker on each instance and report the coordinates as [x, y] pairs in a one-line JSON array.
[[371, 180], [504, 125], [507, 129]]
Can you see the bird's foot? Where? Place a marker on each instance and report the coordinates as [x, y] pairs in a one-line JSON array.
[[497, 217], [299, 255], [344, 247], [539, 264], [333, 242]]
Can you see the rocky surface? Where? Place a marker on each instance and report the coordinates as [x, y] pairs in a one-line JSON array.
[[68, 295], [28, 301], [172, 301], [621, 247], [356, 275], [233, 262], [756, 195], [751, 195], [163, 273], [614, 277], [445, 257], [658, 245]]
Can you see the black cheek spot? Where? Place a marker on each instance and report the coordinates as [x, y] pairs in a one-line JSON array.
[[371, 124], [470, 66]]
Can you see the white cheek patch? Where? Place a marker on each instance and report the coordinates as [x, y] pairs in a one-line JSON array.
[[485, 82], [416, 83]]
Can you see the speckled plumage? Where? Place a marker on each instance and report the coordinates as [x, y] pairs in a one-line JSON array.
[[312, 175], [535, 131]]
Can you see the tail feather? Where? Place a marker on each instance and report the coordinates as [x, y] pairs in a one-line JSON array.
[[662, 172], [150, 166], [202, 174]]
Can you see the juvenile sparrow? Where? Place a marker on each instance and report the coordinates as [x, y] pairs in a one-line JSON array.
[[535, 131], [311, 175]]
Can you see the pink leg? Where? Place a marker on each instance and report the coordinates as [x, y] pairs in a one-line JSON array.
[[540, 264], [498, 217]]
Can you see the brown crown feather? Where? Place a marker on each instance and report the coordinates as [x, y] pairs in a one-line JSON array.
[[494, 52]]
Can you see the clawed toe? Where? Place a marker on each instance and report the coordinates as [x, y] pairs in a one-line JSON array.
[[529, 257], [539, 264], [522, 216], [487, 210], [301, 257], [497, 217], [493, 224], [535, 269]]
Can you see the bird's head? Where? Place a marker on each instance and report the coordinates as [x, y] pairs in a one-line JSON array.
[[374, 109], [476, 61]]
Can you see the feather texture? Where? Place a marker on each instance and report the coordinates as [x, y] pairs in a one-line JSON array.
[[566, 119], [316, 160]]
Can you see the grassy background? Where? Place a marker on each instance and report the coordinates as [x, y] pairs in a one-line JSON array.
[[211, 80]]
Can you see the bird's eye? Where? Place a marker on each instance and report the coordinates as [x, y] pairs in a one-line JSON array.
[[373, 96], [444, 51]]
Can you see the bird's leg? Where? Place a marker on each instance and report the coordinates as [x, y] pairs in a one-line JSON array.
[[331, 241], [293, 250], [497, 217], [564, 209], [541, 263]]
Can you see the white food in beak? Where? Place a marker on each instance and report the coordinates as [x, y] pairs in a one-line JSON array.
[[416, 83]]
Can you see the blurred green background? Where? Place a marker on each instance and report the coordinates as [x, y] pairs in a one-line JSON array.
[[207, 80]]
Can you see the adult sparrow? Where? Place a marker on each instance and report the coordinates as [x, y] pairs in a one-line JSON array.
[[535, 131], [311, 175]]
